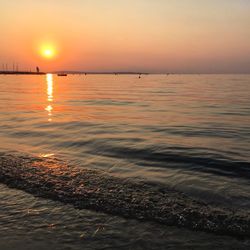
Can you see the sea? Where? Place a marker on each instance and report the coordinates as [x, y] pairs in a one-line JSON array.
[[184, 134]]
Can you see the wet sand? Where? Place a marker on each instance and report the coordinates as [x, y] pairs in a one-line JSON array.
[[95, 190]]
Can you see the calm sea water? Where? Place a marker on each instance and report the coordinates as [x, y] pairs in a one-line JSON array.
[[189, 132]]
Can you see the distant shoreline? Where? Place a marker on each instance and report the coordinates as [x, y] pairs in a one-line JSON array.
[[21, 73], [70, 72], [100, 73], [108, 73]]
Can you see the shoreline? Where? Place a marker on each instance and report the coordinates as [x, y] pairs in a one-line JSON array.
[[96, 190], [21, 73]]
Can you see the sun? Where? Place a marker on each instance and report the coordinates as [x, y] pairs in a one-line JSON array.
[[48, 51]]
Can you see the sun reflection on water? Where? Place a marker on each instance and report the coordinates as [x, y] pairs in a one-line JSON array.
[[49, 108], [46, 155], [49, 78]]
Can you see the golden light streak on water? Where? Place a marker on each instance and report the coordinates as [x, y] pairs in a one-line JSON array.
[[49, 108], [49, 79], [46, 155]]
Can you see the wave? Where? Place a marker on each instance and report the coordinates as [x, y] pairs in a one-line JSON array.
[[214, 130], [92, 189], [83, 137], [189, 160]]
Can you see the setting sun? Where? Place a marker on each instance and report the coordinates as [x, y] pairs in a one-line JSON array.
[[48, 52]]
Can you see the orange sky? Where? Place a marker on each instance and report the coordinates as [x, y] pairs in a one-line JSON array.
[[132, 35]]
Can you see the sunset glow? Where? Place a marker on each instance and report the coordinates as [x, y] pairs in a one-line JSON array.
[[145, 35]]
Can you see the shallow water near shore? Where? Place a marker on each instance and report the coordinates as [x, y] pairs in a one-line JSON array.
[[30, 223], [190, 133]]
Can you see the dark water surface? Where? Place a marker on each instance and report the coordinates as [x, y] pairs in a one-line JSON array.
[[187, 132]]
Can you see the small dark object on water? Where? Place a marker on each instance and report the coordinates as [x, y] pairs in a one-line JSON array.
[[62, 74]]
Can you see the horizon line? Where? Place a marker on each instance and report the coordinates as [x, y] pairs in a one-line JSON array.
[[120, 72]]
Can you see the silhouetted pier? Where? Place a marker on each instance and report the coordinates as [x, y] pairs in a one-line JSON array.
[[21, 73]]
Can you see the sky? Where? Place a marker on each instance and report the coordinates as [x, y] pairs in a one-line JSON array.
[[158, 36]]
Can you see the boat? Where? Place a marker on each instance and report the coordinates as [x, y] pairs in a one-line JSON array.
[[62, 74]]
